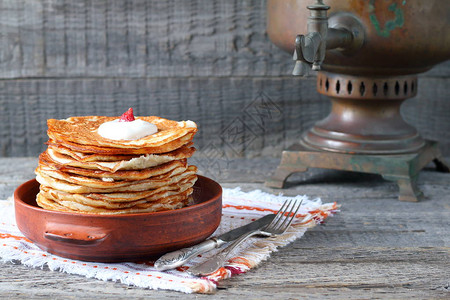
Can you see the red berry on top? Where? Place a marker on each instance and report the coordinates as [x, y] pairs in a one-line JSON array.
[[127, 116]]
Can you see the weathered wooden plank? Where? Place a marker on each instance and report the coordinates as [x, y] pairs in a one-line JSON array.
[[135, 38], [330, 277], [96, 39], [55, 39], [430, 110], [10, 52], [240, 116]]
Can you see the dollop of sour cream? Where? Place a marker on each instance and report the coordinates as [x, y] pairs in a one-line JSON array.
[[133, 130]]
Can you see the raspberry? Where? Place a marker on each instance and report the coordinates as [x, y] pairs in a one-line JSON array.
[[127, 116]]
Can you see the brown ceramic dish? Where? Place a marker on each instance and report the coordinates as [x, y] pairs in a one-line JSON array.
[[131, 237]]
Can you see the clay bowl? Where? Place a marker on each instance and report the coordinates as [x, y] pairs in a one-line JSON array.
[[131, 237]]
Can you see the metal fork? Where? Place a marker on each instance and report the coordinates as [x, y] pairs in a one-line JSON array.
[[279, 225]]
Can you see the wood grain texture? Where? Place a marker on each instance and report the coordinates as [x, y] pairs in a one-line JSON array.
[[430, 110], [375, 248], [270, 113], [136, 38]]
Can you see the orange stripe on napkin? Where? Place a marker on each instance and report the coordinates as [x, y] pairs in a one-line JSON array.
[[18, 238]]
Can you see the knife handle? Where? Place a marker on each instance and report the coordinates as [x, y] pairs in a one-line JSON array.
[[177, 258]]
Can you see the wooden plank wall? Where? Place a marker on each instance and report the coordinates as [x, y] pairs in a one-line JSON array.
[[205, 60]]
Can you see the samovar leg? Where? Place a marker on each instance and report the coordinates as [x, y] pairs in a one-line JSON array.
[[403, 169], [407, 185]]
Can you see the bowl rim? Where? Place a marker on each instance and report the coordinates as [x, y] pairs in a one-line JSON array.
[[19, 201]]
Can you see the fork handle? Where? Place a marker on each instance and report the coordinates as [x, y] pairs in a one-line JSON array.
[[213, 264]]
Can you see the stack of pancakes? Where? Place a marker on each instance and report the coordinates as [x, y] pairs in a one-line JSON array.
[[83, 172]]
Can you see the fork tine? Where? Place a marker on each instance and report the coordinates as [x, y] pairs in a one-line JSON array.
[[279, 215], [287, 216], [293, 215]]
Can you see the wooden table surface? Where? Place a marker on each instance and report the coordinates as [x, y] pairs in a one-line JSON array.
[[375, 247]]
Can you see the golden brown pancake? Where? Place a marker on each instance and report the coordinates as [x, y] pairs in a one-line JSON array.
[[83, 131], [97, 157], [179, 172], [87, 157], [46, 161], [136, 163], [120, 200], [133, 196], [171, 202], [126, 151], [61, 197], [89, 187]]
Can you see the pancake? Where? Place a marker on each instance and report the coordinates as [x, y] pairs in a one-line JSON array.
[[83, 131], [59, 197], [119, 202], [45, 160], [132, 186], [100, 183], [133, 196], [127, 151], [97, 157], [87, 157], [136, 163], [49, 204], [169, 203]]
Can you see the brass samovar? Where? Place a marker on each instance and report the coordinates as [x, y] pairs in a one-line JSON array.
[[368, 54]]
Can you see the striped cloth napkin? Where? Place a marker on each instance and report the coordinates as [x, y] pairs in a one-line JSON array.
[[239, 208]]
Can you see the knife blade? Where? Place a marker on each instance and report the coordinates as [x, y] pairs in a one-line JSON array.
[[177, 258]]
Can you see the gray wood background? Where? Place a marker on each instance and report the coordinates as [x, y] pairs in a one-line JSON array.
[[205, 60]]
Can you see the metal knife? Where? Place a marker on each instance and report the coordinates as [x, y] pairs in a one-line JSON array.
[[179, 257]]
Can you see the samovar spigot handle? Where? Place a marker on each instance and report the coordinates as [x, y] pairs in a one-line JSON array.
[[310, 48], [318, 29], [306, 49], [346, 34]]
